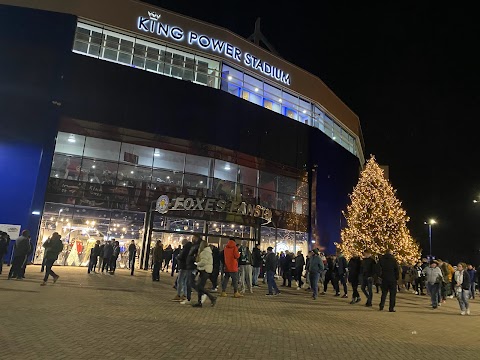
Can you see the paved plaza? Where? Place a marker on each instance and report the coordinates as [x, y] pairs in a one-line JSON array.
[[128, 317]]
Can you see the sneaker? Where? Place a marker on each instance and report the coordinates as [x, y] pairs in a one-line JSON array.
[[352, 302], [345, 296], [177, 298], [277, 293], [450, 297], [268, 294], [43, 284], [462, 313], [299, 288], [197, 305], [416, 293], [223, 294], [204, 298], [214, 289], [468, 311], [185, 302], [337, 294], [358, 299], [237, 295], [55, 279], [214, 301], [322, 293]]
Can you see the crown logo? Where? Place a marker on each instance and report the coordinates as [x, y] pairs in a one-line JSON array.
[[153, 15]]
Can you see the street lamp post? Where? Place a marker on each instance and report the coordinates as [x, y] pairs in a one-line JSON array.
[[430, 223]]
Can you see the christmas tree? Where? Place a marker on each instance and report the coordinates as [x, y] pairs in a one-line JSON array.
[[376, 220]]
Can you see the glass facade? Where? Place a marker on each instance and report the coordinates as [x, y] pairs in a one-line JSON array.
[[102, 189], [111, 45]]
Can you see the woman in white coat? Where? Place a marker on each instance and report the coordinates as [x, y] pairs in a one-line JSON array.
[[205, 268]]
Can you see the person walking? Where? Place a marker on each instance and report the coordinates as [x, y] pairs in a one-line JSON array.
[[472, 273], [256, 263], [299, 266], [433, 279], [157, 260], [287, 269], [245, 268], [389, 273], [368, 272], [231, 256], [419, 282], [100, 257], [205, 268], [113, 259], [132, 256], [4, 242], [270, 268], [354, 272], [461, 284], [21, 248], [183, 273], [53, 246], [216, 267], [107, 255], [315, 269], [175, 253], [167, 257], [191, 268], [342, 266], [94, 252]]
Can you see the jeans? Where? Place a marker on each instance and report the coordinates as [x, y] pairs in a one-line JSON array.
[[355, 294], [156, 271], [389, 286], [343, 280], [272, 285], [472, 286], [131, 262], [100, 263], [106, 264], [17, 267], [314, 277], [298, 276], [234, 276], [191, 283], [214, 277], [92, 263], [182, 282], [367, 288], [202, 280], [245, 272], [48, 269], [462, 296], [433, 290], [256, 273], [113, 264]]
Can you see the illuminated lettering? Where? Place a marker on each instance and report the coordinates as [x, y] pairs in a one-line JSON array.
[[188, 204], [199, 206], [192, 36], [217, 45], [229, 50], [178, 203], [177, 33], [221, 205], [237, 54], [143, 23], [248, 59], [209, 204]]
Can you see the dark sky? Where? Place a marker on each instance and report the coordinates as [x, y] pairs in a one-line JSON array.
[[411, 73]]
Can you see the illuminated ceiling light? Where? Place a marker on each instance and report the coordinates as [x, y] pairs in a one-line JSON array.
[[36, 212], [91, 180], [92, 223], [334, 138], [124, 229], [88, 222], [56, 175], [201, 181], [51, 219], [227, 167], [131, 172], [280, 100], [304, 111], [93, 166], [256, 89], [168, 177], [229, 77], [156, 153], [133, 233], [241, 226], [71, 138], [124, 184], [232, 226], [214, 225]]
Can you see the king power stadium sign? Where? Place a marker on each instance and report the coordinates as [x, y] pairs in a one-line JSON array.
[[164, 205]]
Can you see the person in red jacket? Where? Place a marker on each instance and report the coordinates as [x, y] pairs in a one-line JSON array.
[[231, 255]]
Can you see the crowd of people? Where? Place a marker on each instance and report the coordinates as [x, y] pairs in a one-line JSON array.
[[195, 263]]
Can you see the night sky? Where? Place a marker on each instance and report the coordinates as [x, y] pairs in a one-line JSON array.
[[411, 73]]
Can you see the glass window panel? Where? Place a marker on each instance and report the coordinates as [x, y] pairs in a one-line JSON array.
[[302, 189], [232, 76], [197, 165], [178, 65], [152, 59], [136, 154], [166, 59], [96, 171], [212, 70], [102, 149], [202, 72], [223, 189], [285, 202], [95, 43], [66, 167], [300, 206], [272, 92], [253, 85], [110, 50], [225, 170], [252, 97], [67, 143], [247, 175], [133, 176], [126, 49], [267, 198], [166, 178], [189, 68], [195, 181], [305, 112], [287, 185], [247, 193], [139, 53], [171, 160], [267, 181]]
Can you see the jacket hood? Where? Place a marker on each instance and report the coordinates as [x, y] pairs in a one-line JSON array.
[[207, 249], [231, 244]]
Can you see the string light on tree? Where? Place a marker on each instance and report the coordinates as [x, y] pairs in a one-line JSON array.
[[376, 219]]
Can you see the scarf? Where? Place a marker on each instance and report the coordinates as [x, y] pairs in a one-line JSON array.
[[459, 277]]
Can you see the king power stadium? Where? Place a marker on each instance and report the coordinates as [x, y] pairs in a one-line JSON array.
[[143, 124]]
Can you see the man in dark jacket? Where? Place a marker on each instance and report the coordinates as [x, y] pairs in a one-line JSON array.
[[183, 273], [191, 267], [167, 257], [4, 242], [388, 272], [299, 265], [315, 268], [132, 255], [256, 263], [354, 271], [368, 272], [175, 253], [21, 248], [216, 267], [287, 269], [341, 273], [114, 258], [270, 268], [100, 257], [157, 260], [53, 246], [94, 252], [107, 255]]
